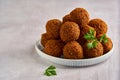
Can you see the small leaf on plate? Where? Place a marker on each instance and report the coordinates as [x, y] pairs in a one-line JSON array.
[[103, 38], [92, 44]]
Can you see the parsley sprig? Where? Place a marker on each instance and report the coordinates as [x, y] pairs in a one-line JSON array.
[[50, 71], [92, 44], [103, 38], [89, 35], [93, 41]]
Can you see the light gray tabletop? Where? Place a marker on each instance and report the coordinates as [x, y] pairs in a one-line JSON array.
[[23, 21]]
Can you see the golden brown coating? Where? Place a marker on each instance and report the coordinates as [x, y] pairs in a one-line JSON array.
[[70, 37], [73, 50], [85, 29], [93, 52], [99, 25], [67, 18], [69, 31], [53, 27], [80, 16], [54, 48], [107, 46], [45, 37]]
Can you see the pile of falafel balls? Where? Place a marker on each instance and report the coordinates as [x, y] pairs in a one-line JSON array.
[[76, 36]]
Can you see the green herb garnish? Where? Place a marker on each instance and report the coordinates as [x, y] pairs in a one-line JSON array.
[[93, 41], [103, 38], [89, 35], [92, 44], [50, 71], [91, 32]]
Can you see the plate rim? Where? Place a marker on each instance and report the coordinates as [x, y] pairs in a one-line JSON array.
[[41, 53]]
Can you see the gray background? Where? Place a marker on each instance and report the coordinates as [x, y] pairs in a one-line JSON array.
[[23, 21]]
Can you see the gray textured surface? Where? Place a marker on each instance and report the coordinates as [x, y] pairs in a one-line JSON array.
[[23, 21]]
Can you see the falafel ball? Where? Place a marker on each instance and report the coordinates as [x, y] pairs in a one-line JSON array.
[[54, 48], [73, 50], [45, 37], [67, 18], [53, 27], [80, 16], [93, 52], [99, 25], [107, 45], [69, 31], [85, 29]]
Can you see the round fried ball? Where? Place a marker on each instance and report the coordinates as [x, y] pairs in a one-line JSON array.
[[93, 52], [99, 25], [53, 27], [67, 18], [54, 48], [69, 31], [107, 46], [73, 50], [84, 30], [80, 16], [45, 37]]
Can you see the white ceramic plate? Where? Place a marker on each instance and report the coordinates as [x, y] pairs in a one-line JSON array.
[[71, 62]]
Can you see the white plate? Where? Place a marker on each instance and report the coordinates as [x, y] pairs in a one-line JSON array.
[[71, 62]]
